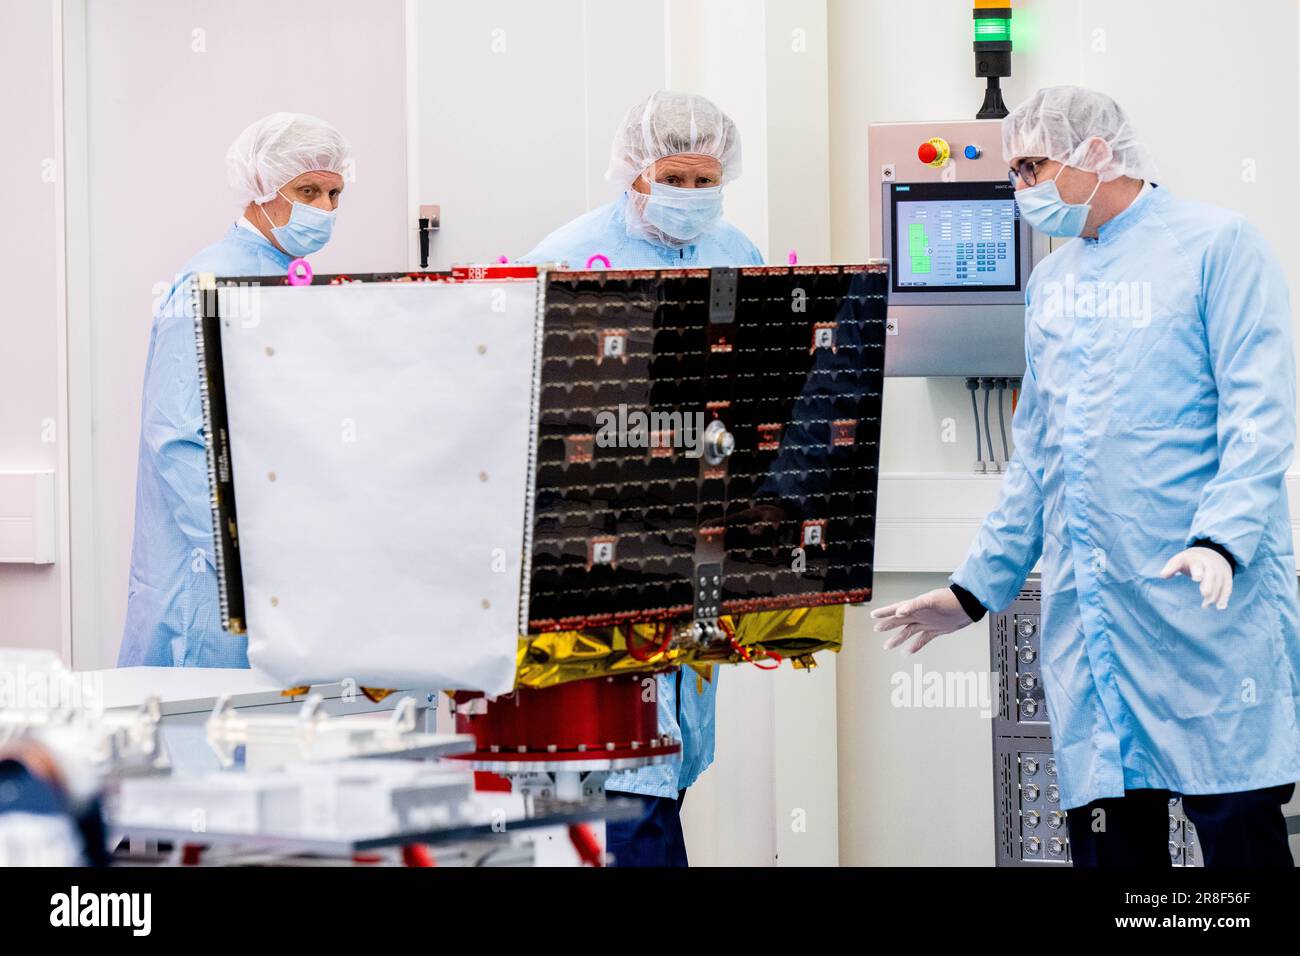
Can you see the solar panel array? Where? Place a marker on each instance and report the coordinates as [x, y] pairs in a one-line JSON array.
[[647, 380]]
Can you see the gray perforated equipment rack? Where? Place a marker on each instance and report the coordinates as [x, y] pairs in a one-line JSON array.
[[1029, 821]]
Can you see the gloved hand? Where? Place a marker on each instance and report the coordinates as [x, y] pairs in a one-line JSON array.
[[1208, 567], [925, 618]]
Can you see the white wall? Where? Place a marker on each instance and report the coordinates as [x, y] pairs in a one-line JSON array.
[[796, 131], [718, 49], [516, 104], [1208, 88], [31, 419]]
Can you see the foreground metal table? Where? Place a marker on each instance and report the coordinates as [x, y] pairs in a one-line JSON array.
[[347, 846]]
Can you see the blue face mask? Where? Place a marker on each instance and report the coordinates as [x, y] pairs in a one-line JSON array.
[[1043, 208], [307, 230], [683, 214]]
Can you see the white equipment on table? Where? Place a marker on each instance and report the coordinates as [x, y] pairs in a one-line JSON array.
[[268, 741]]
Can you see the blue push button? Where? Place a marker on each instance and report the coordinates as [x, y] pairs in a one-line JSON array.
[[972, 152]]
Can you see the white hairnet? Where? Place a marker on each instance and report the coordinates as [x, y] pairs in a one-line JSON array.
[[666, 124], [1080, 128], [279, 148]]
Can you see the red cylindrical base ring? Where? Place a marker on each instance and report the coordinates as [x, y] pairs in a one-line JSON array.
[[610, 717]]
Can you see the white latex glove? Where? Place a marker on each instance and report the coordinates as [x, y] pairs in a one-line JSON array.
[[1209, 568], [924, 617]]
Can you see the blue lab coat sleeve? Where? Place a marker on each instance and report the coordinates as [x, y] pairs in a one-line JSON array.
[[1247, 318], [173, 614]]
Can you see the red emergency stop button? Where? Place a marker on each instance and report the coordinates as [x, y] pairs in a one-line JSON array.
[[934, 152]]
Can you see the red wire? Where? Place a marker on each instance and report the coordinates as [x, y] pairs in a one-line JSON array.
[[642, 654], [744, 651]]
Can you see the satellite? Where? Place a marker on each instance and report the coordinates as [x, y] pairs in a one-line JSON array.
[[504, 479]]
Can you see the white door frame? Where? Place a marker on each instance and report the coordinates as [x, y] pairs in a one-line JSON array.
[[81, 622]]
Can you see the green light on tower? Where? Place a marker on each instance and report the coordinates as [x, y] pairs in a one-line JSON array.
[[992, 30], [992, 53]]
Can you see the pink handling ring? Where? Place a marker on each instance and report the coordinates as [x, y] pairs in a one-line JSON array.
[[794, 258], [300, 272], [598, 258]]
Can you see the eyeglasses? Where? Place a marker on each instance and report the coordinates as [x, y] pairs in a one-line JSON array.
[[1026, 171]]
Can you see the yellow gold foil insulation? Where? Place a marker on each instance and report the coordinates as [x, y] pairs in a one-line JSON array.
[[557, 657]]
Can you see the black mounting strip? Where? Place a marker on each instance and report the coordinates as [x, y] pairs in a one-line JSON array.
[[722, 295], [221, 482]]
